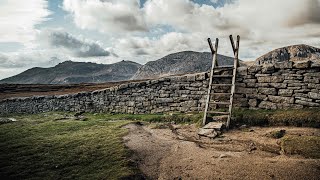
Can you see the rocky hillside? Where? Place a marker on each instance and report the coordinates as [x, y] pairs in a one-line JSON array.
[[70, 72], [290, 53], [180, 63]]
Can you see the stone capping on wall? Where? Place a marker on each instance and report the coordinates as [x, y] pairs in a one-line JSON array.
[[271, 86]]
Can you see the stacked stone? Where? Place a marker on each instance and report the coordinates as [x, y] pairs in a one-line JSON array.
[[274, 86], [279, 86]]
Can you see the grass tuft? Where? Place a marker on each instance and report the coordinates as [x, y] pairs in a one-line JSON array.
[[292, 117], [307, 146]]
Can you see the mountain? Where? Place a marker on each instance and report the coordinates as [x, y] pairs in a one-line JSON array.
[[290, 53], [180, 63], [69, 72]]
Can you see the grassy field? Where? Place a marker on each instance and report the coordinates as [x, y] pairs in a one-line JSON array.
[[50, 146], [56, 146]]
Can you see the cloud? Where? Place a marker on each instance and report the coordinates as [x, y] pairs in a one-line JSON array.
[[55, 46], [107, 15], [76, 46], [18, 19]]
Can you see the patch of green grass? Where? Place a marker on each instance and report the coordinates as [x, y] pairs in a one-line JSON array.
[[178, 118], [307, 146], [40, 147], [292, 117], [277, 134]]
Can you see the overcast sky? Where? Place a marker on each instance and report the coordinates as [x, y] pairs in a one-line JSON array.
[[43, 33]]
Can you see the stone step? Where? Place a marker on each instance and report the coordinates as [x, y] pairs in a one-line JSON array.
[[214, 125], [210, 133]]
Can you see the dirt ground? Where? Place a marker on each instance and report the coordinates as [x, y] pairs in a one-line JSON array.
[[176, 152]]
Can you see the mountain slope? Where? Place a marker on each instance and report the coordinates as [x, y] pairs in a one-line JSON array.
[[70, 72], [290, 53], [180, 63]]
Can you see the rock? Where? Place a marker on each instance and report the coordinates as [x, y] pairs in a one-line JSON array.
[[302, 64], [267, 91], [279, 99], [314, 95], [244, 126], [267, 105], [315, 64], [283, 65], [253, 103], [306, 103], [242, 70], [269, 68], [254, 69], [252, 147], [211, 133], [7, 120], [214, 125], [278, 85], [223, 156], [285, 92], [264, 79], [277, 79]]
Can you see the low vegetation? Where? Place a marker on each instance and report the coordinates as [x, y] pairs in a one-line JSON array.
[[51, 146], [307, 146], [293, 117]]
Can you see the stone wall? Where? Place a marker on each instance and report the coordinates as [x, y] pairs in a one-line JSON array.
[[279, 86]]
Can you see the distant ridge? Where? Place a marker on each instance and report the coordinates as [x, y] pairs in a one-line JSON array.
[[180, 63], [69, 72], [290, 53]]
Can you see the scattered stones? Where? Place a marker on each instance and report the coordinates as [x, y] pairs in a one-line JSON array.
[[7, 120]]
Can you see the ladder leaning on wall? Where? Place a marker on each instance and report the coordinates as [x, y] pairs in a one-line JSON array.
[[215, 110]]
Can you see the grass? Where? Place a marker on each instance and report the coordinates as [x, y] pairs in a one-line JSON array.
[[56, 146], [292, 117], [307, 146], [178, 118], [40, 147]]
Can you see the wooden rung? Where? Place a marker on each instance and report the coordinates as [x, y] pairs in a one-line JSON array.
[[222, 76], [220, 103], [221, 84], [224, 67], [221, 94], [217, 112]]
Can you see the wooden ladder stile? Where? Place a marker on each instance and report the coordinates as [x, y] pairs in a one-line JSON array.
[[211, 92], [214, 51], [236, 64]]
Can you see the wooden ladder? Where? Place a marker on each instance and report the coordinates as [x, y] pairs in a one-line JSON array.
[[214, 110]]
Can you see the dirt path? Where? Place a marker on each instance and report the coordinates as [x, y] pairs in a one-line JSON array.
[[177, 153]]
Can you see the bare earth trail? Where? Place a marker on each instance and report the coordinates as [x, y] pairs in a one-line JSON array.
[[176, 152]]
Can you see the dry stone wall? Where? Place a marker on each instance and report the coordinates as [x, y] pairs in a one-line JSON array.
[[278, 86]]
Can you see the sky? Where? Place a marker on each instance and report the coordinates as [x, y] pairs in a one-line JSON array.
[[43, 33]]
